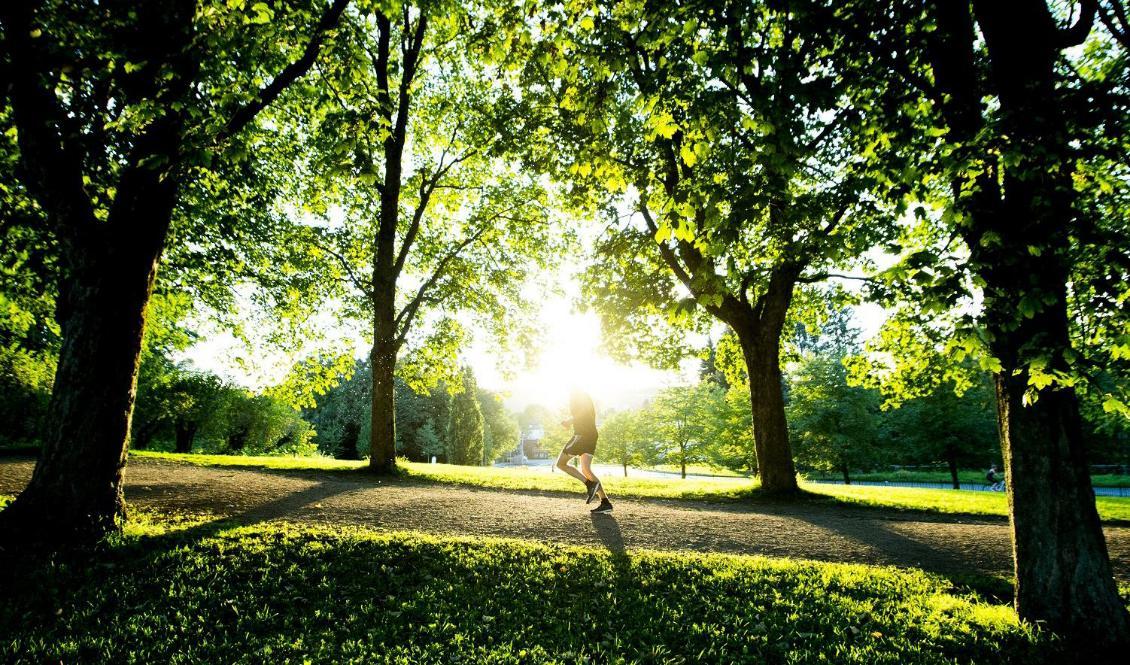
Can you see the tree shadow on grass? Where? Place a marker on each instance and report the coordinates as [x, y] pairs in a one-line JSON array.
[[966, 562], [21, 570]]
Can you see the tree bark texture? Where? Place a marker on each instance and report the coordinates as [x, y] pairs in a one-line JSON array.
[[1062, 570], [759, 335], [107, 266], [75, 493], [382, 444], [184, 432]]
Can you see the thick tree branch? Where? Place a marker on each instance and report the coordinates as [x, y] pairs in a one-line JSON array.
[[427, 188], [835, 221], [743, 288], [734, 37], [380, 65], [53, 170], [1113, 16], [1077, 33], [409, 60], [820, 277], [291, 73], [404, 319], [666, 252]]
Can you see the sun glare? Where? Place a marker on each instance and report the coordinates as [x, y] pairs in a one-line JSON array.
[[571, 357]]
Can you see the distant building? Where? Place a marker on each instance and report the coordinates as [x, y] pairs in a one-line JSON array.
[[529, 445]]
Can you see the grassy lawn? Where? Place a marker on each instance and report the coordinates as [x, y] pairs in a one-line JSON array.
[[698, 469], [968, 477], [492, 477], [289, 462], [902, 498], [168, 592], [949, 501]]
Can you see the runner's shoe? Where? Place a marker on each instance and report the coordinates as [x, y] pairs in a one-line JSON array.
[[593, 487], [604, 507]]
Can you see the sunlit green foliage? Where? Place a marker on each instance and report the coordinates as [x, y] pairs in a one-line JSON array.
[[627, 439], [834, 425], [284, 593], [465, 428], [468, 226], [500, 428]]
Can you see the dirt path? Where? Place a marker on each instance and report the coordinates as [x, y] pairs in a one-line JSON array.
[[944, 544]]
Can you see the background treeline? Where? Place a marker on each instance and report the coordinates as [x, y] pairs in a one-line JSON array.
[[836, 426], [461, 425]]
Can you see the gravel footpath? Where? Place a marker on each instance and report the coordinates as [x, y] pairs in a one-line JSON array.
[[940, 543]]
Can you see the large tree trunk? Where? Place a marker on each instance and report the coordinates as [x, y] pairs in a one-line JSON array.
[[382, 442], [847, 476], [107, 271], [770, 429], [382, 438], [951, 457], [75, 493], [184, 432], [107, 268], [1062, 571], [1063, 574], [761, 348]]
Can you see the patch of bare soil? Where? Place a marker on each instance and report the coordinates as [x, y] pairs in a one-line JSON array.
[[939, 543]]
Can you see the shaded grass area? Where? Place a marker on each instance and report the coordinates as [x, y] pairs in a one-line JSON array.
[[900, 498], [179, 591]]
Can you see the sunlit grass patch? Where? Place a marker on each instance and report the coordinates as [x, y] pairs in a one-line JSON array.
[[521, 479], [284, 593], [710, 489], [947, 501], [487, 477], [966, 477], [291, 462], [699, 469]]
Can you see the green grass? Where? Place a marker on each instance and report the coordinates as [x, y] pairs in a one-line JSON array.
[[948, 501], [719, 489], [519, 479], [967, 477], [492, 477], [281, 593], [287, 462], [699, 469]]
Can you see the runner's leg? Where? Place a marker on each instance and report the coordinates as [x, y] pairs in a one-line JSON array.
[[586, 469], [563, 464]]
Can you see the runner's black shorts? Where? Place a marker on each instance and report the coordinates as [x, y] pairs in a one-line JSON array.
[[581, 444]]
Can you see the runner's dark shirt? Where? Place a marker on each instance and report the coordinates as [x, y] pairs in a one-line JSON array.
[[584, 416]]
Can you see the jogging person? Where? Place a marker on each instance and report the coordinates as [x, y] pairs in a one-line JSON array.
[[995, 484], [583, 445]]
